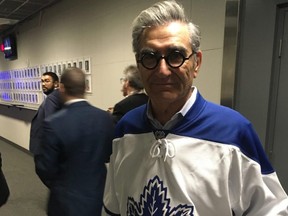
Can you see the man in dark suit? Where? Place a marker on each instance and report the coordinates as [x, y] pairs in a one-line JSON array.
[[77, 141], [133, 91], [50, 105]]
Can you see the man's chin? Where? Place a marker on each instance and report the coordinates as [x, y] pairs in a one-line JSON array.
[[165, 95], [47, 92]]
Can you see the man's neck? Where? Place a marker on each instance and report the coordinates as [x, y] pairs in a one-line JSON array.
[[163, 111], [134, 91], [72, 98]]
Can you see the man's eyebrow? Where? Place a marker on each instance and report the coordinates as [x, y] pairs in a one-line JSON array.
[[46, 79], [178, 48], [147, 50]]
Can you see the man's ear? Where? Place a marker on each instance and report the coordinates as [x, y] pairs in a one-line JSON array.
[[61, 88], [56, 84], [197, 63]]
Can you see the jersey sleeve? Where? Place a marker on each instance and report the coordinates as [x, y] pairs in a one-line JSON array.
[[255, 189]]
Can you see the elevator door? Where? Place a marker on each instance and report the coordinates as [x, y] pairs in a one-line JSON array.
[[278, 115]]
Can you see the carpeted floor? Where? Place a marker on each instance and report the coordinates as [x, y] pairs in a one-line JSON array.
[[28, 196]]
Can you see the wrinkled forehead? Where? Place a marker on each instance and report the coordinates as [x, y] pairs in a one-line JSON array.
[[174, 34]]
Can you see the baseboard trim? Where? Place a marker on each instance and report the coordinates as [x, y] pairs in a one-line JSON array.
[[16, 146]]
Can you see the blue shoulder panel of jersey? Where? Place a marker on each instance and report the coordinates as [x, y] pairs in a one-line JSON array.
[[216, 123], [133, 122]]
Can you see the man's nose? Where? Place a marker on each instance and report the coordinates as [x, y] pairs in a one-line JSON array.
[[164, 68]]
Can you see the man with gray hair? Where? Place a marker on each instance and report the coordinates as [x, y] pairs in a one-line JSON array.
[[181, 154], [133, 91]]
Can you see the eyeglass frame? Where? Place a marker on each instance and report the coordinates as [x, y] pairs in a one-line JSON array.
[[165, 57], [123, 80]]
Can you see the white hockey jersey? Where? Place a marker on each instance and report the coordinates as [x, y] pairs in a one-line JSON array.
[[210, 164]]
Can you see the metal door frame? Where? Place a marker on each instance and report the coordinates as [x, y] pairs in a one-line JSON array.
[[275, 74]]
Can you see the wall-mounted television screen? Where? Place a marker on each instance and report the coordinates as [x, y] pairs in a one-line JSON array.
[[10, 48]]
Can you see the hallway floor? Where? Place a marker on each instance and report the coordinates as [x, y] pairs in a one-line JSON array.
[[28, 195]]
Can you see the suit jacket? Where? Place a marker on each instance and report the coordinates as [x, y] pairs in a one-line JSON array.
[[77, 141], [50, 105], [127, 104]]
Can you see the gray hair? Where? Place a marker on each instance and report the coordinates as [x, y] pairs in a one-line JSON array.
[[162, 13], [132, 74]]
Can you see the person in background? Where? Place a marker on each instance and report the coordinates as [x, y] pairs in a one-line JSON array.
[[133, 91], [4, 188], [181, 154], [50, 105], [50, 82], [76, 143]]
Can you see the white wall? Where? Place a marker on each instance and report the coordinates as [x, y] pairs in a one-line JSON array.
[[101, 30]]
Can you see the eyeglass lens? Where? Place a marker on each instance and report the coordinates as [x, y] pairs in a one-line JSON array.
[[174, 59]]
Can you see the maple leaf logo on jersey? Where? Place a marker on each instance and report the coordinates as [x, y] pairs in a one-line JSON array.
[[154, 201]]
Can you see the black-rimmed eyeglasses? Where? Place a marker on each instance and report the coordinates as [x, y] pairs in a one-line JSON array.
[[174, 59]]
